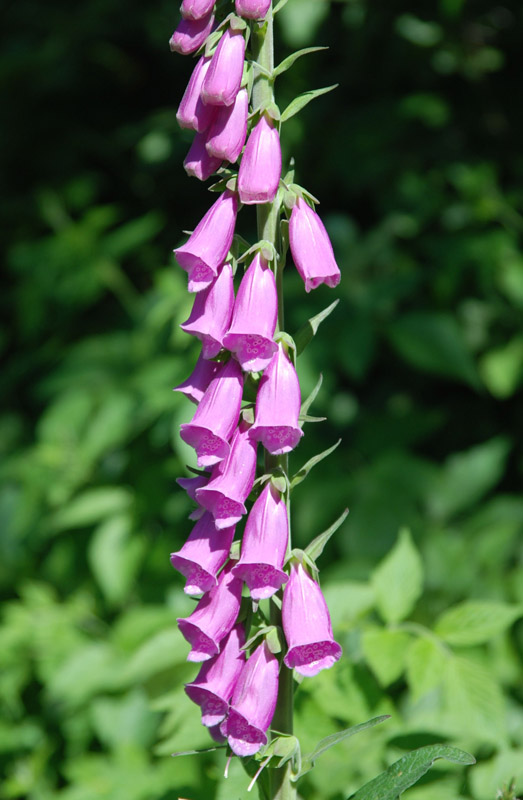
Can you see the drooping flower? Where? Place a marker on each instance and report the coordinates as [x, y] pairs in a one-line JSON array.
[[227, 133], [311, 247], [208, 245], [215, 418], [213, 687], [253, 703], [307, 625], [211, 313], [203, 555], [231, 481], [213, 617], [190, 485], [260, 168], [191, 34], [250, 336], [224, 76], [252, 9], [192, 112], [196, 9], [278, 405], [198, 162], [195, 385]]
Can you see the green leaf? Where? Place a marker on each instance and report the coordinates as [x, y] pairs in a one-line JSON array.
[[198, 752], [408, 770], [307, 331], [302, 473], [316, 547], [488, 778], [312, 397], [418, 31], [279, 6], [476, 621], [329, 741], [398, 580], [502, 369], [304, 99], [284, 65], [473, 701], [386, 652], [93, 505], [115, 557], [426, 664]]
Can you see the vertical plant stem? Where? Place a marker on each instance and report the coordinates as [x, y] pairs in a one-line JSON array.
[[268, 217]]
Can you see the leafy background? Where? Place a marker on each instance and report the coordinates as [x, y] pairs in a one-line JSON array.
[[417, 161]]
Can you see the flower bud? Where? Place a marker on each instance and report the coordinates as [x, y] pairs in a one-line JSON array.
[[196, 9], [213, 617], [211, 313], [264, 545], [255, 313], [224, 76], [191, 34], [208, 245], [198, 162], [228, 130], [307, 625], [278, 405], [260, 168], [216, 417], [203, 555], [192, 111], [311, 247], [252, 9]]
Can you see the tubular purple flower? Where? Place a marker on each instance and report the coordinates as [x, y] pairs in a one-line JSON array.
[[198, 162], [278, 405], [196, 9], [192, 111], [231, 481], [253, 703], [203, 555], [213, 687], [307, 625], [264, 545], [211, 313], [224, 76], [255, 313], [260, 168], [227, 133], [208, 245], [311, 248], [252, 9], [195, 385], [213, 617], [191, 34], [215, 418], [190, 485]]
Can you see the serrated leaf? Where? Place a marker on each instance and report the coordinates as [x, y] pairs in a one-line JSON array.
[[408, 770], [316, 547], [307, 331], [284, 65], [302, 473], [425, 662], [474, 702], [304, 99], [329, 741], [385, 652], [476, 621], [398, 580], [312, 397]]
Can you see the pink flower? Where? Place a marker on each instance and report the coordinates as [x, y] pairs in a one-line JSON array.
[[196, 9], [250, 336], [191, 34], [198, 162], [260, 168], [190, 485], [216, 417], [278, 405], [203, 555], [213, 687], [253, 703], [208, 245], [195, 385], [224, 77], [307, 625], [211, 313], [264, 545], [192, 111], [252, 9], [228, 131], [311, 248]]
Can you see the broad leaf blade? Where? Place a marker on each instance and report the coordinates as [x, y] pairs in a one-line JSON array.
[[284, 65], [307, 331], [329, 741], [316, 547], [302, 473], [304, 99]]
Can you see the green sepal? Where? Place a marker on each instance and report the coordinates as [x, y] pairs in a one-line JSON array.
[[312, 397], [265, 630], [248, 416], [289, 175], [284, 236], [280, 483], [315, 548], [237, 23], [275, 641], [304, 99], [300, 191], [212, 42], [300, 555], [408, 770], [309, 330], [302, 473], [262, 70], [266, 248], [284, 747], [284, 65], [287, 340], [303, 418], [234, 552], [279, 6]]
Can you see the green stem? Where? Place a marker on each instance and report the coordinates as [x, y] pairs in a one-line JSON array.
[[280, 786]]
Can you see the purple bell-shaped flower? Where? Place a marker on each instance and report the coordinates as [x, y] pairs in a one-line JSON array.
[[195, 385], [211, 313], [224, 77], [252, 9], [190, 485], [203, 555], [192, 112], [260, 168], [228, 131], [311, 247], [198, 162], [196, 9], [191, 34]]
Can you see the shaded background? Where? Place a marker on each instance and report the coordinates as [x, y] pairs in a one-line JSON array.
[[417, 161]]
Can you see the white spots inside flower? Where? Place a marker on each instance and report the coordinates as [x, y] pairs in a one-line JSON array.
[[209, 444], [253, 344], [212, 705], [226, 507], [200, 272], [261, 574]]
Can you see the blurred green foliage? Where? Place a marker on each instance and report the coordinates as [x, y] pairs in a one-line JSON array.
[[417, 161]]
